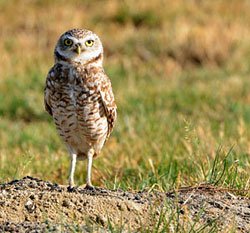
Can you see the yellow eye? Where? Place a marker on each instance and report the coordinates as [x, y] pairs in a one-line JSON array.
[[68, 42], [89, 43]]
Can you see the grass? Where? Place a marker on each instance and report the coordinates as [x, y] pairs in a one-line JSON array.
[[180, 74]]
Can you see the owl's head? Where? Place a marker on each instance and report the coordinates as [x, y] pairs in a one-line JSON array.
[[79, 45]]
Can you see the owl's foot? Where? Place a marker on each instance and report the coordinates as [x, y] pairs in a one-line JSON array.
[[71, 189], [93, 188], [89, 187]]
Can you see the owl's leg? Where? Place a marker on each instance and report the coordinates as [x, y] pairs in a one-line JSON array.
[[72, 169], [89, 166]]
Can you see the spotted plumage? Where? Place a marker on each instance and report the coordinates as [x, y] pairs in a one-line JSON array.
[[78, 95]]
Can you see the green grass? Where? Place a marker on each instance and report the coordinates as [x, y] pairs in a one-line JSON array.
[[181, 80], [166, 130]]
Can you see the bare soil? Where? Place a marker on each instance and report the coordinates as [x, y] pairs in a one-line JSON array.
[[33, 205]]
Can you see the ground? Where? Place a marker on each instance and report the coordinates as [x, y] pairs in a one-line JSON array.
[[33, 204]]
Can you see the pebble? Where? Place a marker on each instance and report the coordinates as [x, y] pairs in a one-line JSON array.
[[30, 206]]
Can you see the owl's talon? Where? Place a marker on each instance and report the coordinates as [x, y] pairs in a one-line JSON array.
[[71, 189], [89, 187]]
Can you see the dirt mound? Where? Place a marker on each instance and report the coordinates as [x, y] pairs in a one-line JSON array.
[[31, 204]]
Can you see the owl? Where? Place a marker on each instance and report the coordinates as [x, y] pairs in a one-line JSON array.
[[79, 97]]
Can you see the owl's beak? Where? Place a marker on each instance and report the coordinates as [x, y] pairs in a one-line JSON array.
[[78, 49]]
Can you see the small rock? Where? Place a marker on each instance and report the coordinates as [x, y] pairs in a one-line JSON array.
[[66, 203], [137, 197], [4, 192], [100, 220], [30, 206], [121, 206], [32, 196]]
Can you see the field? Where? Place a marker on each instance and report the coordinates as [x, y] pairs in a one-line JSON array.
[[180, 73]]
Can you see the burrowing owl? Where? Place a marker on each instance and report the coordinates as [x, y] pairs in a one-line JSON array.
[[78, 95]]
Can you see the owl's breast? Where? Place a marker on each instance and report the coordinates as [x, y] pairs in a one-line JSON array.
[[79, 114]]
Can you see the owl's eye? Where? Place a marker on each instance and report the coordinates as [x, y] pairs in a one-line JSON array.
[[68, 42], [89, 43]]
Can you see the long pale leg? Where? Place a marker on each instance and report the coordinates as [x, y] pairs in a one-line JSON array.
[[89, 166], [72, 169]]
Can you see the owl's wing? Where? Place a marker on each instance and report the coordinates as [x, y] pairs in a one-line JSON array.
[[48, 90], [109, 105]]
